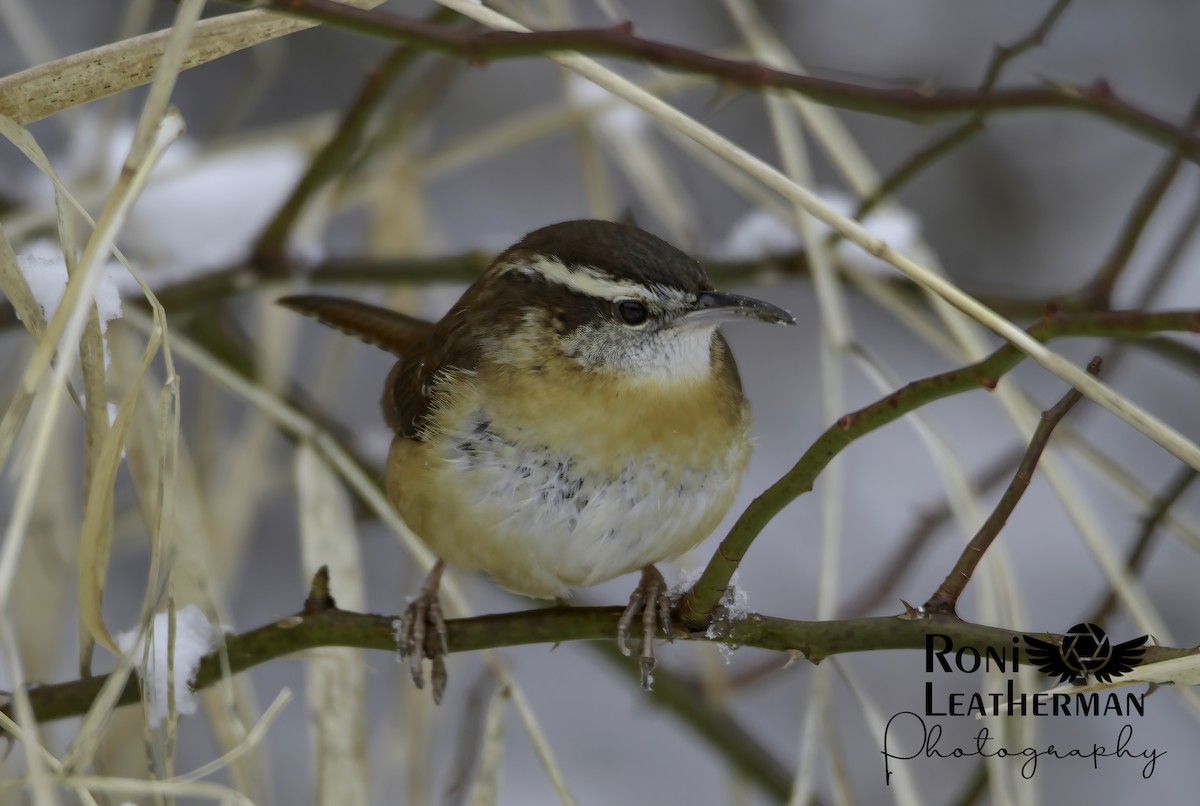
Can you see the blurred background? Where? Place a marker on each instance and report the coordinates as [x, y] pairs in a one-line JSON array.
[[460, 161]]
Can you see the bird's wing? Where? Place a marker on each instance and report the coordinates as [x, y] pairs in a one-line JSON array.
[[1048, 658], [1124, 658], [386, 329], [450, 351]]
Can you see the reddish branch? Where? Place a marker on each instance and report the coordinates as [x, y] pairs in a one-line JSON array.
[[927, 156], [1096, 98]]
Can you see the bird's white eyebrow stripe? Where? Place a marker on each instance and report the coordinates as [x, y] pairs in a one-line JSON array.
[[579, 279]]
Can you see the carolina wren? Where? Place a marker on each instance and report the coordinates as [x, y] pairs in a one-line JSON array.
[[575, 416]]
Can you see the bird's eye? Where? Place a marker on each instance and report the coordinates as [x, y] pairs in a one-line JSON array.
[[632, 311]]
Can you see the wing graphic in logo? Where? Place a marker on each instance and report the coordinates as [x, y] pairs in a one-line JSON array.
[[1085, 652]]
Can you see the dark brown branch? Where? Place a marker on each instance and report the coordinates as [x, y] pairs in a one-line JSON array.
[[225, 284], [945, 599], [1097, 99], [1001, 56], [317, 627], [700, 602], [904, 556], [684, 698], [1172, 256], [976, 785], [393, 272], [332, 158], [339, 150], [1141, 546], [1101, 287]]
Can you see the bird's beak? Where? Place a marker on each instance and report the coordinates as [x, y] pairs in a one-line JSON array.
[[716, 307]]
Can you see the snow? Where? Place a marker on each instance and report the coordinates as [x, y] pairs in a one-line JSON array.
[[195, 637], [760, 233], [898, 226], [622, 121], [734, 607], [201, 210], [45, 271], [206, 214], [687, 578]]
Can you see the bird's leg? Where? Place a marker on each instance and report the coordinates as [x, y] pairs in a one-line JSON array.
[[650, 597], [425, 612]]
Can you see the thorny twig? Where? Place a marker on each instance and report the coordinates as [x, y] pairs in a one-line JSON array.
[[945, 599]]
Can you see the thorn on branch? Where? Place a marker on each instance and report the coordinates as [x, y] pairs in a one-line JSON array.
[[1100, 90], [799, 479], [319, 597]]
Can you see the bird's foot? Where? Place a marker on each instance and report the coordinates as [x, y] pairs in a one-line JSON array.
[[422, 634], [650, 598]]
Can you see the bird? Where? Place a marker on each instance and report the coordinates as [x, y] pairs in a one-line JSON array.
[[576, 416]]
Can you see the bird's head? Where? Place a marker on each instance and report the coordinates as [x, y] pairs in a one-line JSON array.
[[611, 298]]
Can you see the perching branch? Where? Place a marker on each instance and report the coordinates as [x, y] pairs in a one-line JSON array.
[[1097, 99], [321, 624], [324, 625], [945, 599], [699, 604]]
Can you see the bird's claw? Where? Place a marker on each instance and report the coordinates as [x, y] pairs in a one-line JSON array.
[[423, 615], [650, 598]]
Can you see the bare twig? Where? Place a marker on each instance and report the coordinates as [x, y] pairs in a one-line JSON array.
[[922, 159], [718, 727], [945, 599], [336, 154], [1141, 546], [328, 626], [876, 591], [1097, 99], [699, 603], [1100, 289]]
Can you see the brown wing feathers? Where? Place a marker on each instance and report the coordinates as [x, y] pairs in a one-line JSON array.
[[388, 330]]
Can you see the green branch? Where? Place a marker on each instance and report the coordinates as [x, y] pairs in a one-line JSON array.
[[327, 626], [699, 604]]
